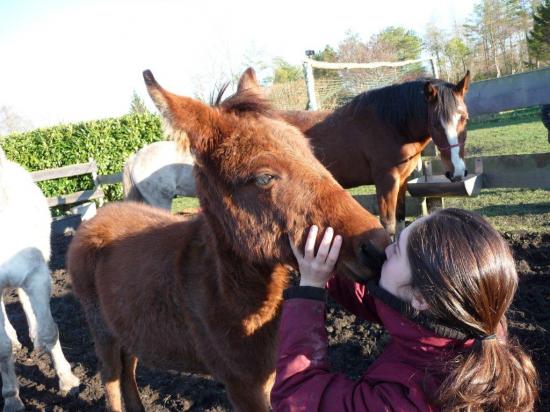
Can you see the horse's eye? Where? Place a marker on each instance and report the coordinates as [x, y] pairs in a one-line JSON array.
[[264, 180]]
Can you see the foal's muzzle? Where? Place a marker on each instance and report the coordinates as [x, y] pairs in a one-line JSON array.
[[372, 257]]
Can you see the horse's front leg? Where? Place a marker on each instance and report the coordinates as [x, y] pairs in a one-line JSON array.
[[35, 293], [400, 209], [387, 191], [10, 388]]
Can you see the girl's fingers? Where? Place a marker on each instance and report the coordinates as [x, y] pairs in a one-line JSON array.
[[334, 251], [309, 250], [324, 247]]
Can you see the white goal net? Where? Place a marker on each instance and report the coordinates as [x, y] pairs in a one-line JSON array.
[[330, 85]]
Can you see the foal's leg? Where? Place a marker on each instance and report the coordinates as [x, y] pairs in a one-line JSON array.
[[36, 289], [387, 189], [10, 388], [108, 351], [130, 392], [10, 331], [247, 397]]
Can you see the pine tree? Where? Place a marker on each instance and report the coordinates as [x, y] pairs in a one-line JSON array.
[[539, 37]]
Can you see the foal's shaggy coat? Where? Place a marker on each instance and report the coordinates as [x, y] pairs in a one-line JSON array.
[[203, 295], [24, 252]]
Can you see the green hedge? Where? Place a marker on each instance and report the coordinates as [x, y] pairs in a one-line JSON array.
[[109, 142]]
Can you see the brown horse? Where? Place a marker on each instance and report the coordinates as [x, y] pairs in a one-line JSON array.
[[203, 295], [377, 137]]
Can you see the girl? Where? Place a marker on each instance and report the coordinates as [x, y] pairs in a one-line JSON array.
[[443, 293]]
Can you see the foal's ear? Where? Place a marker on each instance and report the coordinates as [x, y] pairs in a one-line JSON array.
[[202, 123], [248, 83], [463, 85], [430, 92], [248, 80]]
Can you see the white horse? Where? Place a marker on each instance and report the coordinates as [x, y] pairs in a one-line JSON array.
[[158, 172], [24, 252]]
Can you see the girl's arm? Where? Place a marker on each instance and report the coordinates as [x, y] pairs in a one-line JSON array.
[[353, 296], [303, 381]]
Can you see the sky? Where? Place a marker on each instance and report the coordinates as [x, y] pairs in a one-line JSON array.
[[73, 60]]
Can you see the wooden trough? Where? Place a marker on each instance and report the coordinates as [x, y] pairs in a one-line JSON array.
[[440, 186]]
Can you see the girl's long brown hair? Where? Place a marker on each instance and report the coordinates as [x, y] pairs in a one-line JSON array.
[[465, 271]]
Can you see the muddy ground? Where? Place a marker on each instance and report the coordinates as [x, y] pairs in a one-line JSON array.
[[354, 344]]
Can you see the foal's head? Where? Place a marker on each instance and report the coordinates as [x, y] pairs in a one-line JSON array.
[[258, 182], [447, 117]]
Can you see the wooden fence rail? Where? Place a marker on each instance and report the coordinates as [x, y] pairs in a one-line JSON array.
[[70, 171], [529, 171]]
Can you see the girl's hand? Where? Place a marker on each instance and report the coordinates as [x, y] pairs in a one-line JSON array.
[[317, 270]]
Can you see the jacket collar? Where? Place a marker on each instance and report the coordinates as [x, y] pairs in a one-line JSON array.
[[404, 323]]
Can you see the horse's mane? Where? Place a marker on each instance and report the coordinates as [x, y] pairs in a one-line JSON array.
[[246, 101], [399, 103]]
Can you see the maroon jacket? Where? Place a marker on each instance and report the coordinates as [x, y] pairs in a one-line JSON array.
[[401, 379]]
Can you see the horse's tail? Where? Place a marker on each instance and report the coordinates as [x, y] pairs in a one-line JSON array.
[[131, 191], [81, 263], [82, 260]]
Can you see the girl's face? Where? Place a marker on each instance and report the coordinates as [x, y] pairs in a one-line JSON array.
[[396, 271]]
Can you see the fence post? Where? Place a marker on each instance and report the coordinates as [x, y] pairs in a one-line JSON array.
[[431, 203], [310, 84]]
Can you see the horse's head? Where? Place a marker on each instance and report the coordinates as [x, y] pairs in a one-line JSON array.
[[447, 117], [258, 182]]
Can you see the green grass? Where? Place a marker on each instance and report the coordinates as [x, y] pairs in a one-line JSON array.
[[181, 203], [509, 210], [515, 132]]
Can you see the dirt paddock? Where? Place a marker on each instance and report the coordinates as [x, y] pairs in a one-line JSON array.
[[354, 344]]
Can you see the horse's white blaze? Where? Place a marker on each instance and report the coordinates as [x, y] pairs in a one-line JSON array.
[[452, 139], [24, 252]]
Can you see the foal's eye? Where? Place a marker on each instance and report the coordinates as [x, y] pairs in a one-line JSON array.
[[264, 180]]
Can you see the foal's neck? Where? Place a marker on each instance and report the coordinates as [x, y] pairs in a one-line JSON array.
[[252, 291]]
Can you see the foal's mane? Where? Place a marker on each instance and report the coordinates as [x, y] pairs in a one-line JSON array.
[[246, 101], [399, 103]]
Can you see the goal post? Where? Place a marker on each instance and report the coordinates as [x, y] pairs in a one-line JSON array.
[[354, 78]]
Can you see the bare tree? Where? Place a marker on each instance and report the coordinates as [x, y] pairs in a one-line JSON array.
[[11, 122]]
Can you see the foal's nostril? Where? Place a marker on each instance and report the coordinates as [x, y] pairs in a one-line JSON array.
[[465, 172], [448, 176], [372, 257]]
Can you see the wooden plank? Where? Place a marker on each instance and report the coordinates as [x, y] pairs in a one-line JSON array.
[[76, 197], [515, 91], [109, 179], [529, 171], [65, 171]]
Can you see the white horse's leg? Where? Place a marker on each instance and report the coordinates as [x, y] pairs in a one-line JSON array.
[[10, 331], [29, 314], [37, 287], [10, 388]]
